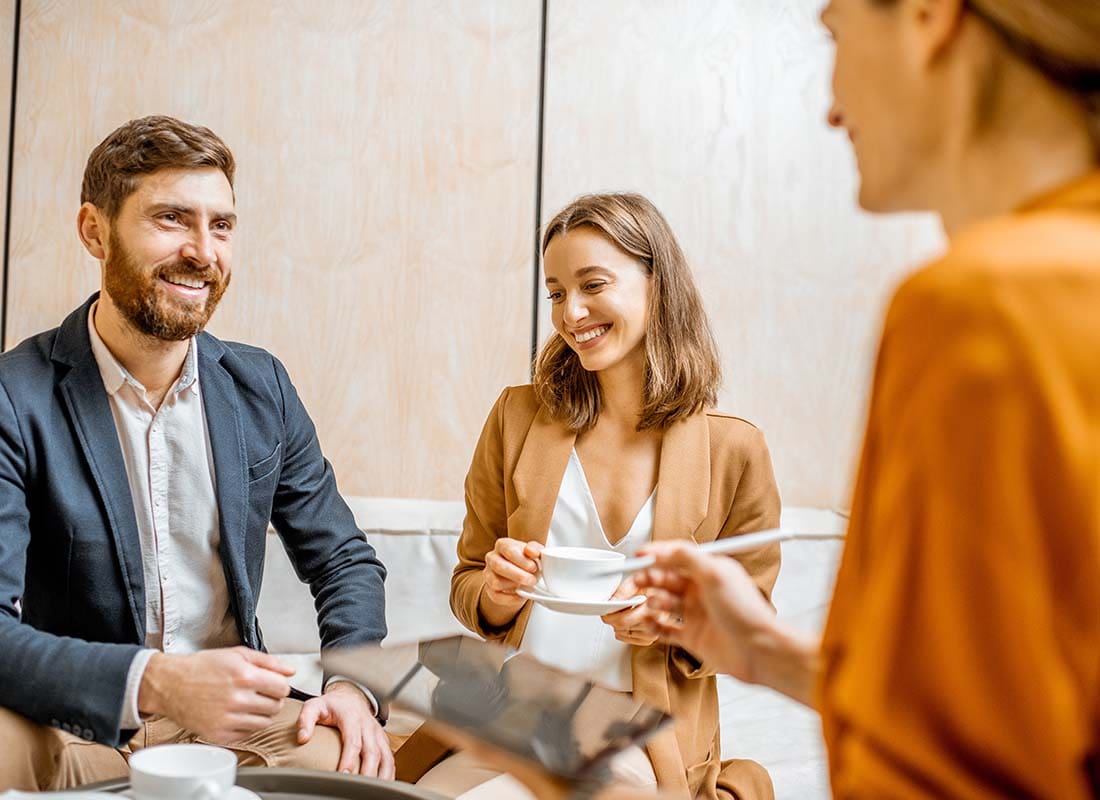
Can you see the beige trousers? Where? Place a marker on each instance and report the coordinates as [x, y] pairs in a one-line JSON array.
[[37, 757], [463, 776]]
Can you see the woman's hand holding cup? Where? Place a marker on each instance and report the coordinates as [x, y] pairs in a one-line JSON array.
[[511, 565]]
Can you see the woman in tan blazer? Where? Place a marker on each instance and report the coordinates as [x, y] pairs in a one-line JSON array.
[[627, 384]]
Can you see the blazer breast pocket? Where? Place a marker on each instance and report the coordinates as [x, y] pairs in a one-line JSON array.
[[266, 465]]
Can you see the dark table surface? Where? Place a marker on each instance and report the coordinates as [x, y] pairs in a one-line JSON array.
[[273, 783]]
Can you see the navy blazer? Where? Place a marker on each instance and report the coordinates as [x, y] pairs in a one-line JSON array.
[[69, 546]]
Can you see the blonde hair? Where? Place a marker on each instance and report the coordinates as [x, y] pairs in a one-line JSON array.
[[1060, 38], [682, 370]]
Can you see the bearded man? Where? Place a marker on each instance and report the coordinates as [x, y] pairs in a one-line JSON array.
[[141, 461]]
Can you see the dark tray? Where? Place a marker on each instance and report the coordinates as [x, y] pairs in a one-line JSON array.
[[274, 783]]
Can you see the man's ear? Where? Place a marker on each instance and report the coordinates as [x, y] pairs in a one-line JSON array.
[[935, 24], [93, 230]]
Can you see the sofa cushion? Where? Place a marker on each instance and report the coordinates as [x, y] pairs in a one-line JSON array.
[[765, 726], [415, 540]]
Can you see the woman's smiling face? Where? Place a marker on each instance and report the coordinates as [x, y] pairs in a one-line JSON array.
[[600, 297]]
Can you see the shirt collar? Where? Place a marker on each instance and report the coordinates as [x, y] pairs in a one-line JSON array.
[[115, 375]]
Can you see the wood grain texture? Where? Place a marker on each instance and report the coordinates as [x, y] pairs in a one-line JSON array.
[[385, 190], [7, 53], [716, 112]]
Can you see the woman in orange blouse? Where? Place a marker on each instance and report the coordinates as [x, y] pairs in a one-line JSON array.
[[961, 658]]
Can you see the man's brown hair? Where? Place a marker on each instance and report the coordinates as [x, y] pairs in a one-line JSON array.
[[682, 371], [143, 146]]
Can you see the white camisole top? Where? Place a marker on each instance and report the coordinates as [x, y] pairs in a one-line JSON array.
[[583, 644]]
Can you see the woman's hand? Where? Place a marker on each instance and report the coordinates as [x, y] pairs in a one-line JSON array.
[[706, 604], [636, 626], [509, 566], [710, 606]]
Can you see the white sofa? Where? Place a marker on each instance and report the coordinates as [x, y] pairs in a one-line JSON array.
[[416, 541]]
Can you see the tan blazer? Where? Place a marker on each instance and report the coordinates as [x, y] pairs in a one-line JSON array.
[[715, 480]]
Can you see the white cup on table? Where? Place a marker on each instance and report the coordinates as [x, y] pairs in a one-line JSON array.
[[182, 772]]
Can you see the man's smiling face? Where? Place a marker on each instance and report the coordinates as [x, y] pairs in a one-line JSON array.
[[169, 258]]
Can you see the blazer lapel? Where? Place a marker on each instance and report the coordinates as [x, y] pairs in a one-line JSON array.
[[223, 424], [683, 481], [90, 409], [537, 477]]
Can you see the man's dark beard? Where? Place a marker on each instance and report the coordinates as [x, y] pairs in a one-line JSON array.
[[148, 306]]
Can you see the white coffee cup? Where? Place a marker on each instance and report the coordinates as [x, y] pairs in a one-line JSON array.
[[570, 572], [182, 772]]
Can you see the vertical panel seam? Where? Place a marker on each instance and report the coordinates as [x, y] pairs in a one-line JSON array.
[[538, 187], [11, 170]]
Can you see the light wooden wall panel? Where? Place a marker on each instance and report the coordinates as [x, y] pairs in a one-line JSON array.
[[386, 195], [7, 53], [715, 110]]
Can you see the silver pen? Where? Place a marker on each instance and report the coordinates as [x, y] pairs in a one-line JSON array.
[[742, 543]]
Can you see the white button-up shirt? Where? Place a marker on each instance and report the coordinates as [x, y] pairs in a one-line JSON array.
[[170, 469]]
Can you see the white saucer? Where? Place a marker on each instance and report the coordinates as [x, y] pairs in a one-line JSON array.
[[235, 793], [565, 605]]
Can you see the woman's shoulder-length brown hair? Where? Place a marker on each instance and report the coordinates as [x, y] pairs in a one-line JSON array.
[[682, 370]]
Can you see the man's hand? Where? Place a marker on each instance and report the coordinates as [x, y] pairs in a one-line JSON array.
[[635, 626], [222, 695], [364, 747]]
